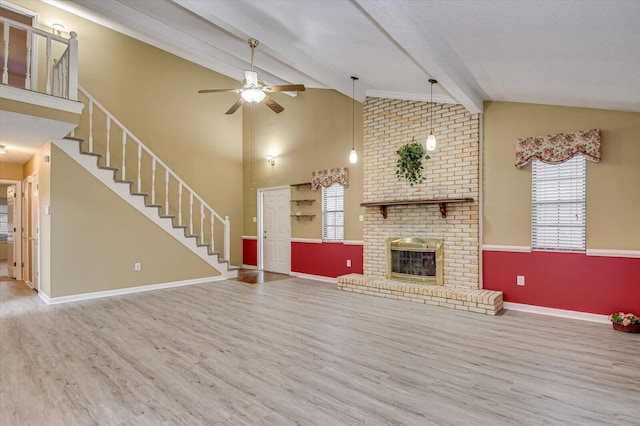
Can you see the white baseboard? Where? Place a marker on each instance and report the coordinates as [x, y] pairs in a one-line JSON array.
[[314, 277], [245, 266], [584, 316], [128, 290]]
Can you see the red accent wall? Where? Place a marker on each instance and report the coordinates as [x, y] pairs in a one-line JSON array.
[[326, 259], [323, 259], [249, 252], [572, 281]]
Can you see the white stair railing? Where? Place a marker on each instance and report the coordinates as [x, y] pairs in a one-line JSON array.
[[62, 72], [140, 149]]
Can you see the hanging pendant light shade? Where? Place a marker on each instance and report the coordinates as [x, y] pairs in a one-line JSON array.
[[431, 140], [353, 155]]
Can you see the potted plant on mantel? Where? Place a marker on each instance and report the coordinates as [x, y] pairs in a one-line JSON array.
[[627, 323], [409, 165]]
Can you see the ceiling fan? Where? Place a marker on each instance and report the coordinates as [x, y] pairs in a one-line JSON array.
[[254, 90]]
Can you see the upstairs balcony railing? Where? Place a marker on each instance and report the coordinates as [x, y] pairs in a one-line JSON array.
[[23, 44]]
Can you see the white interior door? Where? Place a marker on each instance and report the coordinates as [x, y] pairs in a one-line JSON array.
[[24, 231], [35, 232], [276, 230], [11, 236]]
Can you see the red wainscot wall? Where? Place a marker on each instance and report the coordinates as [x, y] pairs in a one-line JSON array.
[[314, 258], [571, 281]]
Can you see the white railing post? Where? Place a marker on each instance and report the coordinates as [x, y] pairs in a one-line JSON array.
[[212, 222], [56, 78], [166, 192], [190, 213], [153, 181], [90, 125], [72, 73], [49, 61], [5, 65], [124, 154], [139, 166], [27, 79], [201, 223], [108, 141], [180, 204], [227, 239]]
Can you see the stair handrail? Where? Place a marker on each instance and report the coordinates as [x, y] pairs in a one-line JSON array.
[[93, 102]]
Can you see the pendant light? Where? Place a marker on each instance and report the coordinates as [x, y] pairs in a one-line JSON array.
[[431, 140], [353, 155]]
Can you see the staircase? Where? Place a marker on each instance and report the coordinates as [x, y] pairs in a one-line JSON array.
[[170, 204]]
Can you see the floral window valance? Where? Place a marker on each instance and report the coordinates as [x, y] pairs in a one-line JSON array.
[[556, 149], [328, 177]]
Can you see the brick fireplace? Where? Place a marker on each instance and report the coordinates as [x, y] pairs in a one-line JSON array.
[[452, 172]]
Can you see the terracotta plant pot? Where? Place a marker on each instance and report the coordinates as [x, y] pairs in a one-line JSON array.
[[626, 328]]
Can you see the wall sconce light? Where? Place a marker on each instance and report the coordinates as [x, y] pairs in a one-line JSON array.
[[271, 159], [57, 28], [3, 150]]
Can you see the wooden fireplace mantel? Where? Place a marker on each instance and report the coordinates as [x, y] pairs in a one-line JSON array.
[[442, 202]]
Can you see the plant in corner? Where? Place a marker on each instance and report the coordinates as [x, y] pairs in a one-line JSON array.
[[409, 165], [629, 323]]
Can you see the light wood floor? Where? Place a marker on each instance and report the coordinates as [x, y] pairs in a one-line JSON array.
[[296, 351]]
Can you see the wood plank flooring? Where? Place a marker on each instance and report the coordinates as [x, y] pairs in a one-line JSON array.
[[297, 351]]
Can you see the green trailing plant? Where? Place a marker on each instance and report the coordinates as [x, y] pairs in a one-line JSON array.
[[409, 165]]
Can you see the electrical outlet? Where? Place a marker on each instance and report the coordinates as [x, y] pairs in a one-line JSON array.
[[361, 218], [348, 263], [137, 266], [520, 280], [255, 219]]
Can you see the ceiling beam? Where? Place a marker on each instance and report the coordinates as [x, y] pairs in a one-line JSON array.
[[424, 43]]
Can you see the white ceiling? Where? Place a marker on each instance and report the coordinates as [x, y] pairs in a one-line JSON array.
[[583, 53]]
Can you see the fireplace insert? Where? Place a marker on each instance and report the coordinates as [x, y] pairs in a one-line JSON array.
[[415, 259]]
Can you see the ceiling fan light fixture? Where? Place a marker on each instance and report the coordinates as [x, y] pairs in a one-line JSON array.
[[253, 95], [431, 140], [353, 155]]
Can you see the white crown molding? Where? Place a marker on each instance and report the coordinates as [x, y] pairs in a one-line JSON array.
[[128, 290], [613, 253], [249, 237], [314, 277], [40, 99], [517, 249], [584, 316], [440, 99]]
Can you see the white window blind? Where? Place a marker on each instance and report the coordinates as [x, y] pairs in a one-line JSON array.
[[333, 213], [559, 205]]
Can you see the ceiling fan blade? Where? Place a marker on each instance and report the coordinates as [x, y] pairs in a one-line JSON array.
[[235, 107], [217, 90], [251, 77], [275, 107], [286, 88]]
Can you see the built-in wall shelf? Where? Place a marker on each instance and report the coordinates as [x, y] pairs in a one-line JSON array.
[[301, 185], [442, 202], [303, 216], [298, 202]]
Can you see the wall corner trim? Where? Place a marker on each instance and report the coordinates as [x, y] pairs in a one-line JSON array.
[[495, 247], [613, 253], [127, 290], [542, 310]]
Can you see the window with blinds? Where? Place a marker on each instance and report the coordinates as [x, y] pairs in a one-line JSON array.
[[559, 205], [333, 213]]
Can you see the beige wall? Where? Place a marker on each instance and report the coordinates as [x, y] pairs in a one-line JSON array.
[[96, 238], [10, 171], [314, 132], [154, 94], [613, 194]]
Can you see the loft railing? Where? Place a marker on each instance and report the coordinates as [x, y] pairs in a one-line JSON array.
[[60, 65], [122, 150]]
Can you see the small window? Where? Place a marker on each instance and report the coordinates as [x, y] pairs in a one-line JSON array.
[[333, 213], [559, 205]]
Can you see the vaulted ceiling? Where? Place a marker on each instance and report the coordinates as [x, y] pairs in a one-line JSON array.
[[583, 53]]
